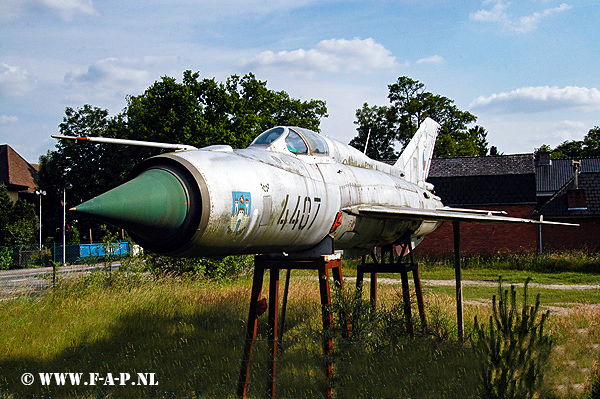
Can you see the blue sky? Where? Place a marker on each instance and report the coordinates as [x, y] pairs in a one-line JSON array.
[[527, 69]]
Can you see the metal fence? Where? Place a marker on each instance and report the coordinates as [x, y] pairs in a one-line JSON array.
[[27, 269], [31, 256]]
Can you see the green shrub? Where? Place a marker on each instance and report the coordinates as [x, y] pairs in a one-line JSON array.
[[514, 347], [216, 269], [5, 259]]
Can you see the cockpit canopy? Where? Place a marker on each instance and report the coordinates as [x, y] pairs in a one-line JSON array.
[[297, 140]]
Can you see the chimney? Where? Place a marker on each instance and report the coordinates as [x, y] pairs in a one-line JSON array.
[[544, 158], [576, 199], [576, 166]]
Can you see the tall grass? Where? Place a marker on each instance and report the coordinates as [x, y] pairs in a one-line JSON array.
[[190, 332], [579, 261], [187, 332]]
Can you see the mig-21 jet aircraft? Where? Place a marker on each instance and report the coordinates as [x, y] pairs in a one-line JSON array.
[[291, 190]]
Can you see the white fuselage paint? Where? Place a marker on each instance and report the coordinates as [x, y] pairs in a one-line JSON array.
[[292, 201]]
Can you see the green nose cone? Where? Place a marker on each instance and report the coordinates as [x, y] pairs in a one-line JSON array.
[[153, 205]]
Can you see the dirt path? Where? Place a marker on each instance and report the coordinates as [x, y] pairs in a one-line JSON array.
[[452, 282]]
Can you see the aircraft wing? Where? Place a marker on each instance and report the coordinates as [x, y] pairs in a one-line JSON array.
[[445, 214]]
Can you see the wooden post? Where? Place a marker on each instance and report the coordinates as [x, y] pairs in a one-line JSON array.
[[327, 317], [273, 335], [261, 263], [243, 382], [458, 275], [419, 294], [374, 290], [406, 300]]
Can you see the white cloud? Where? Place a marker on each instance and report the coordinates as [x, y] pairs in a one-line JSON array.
[[541, 99], [568, 130], [15, 81], [333, 55], [68, 8], [65, 9], [499, 14], [434, 59], [514, 134], [8, 119], [496, 14], [115, 73]]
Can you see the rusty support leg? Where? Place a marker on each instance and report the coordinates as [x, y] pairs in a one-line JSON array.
[[337, 277], [327, 323], [286, 290], [417, 281], [273, 335], [458, 275], [336, 271], [243, 382], [360, 275], [420, 302], [406, 299], [374, 290]]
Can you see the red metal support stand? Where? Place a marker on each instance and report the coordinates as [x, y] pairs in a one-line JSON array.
[[323, 265], [392, 266]]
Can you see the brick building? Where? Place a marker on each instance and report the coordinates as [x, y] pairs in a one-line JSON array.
[[562, 197], [503, 183], [523, 187]]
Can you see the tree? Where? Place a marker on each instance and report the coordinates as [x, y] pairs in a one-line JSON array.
[[373, 124], [18, 222], [568, 149], [205, 112], [91, 168], [591, 143], [588, 147], [410, 105]]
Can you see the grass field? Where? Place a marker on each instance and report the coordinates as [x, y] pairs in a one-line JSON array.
[[189, 333]]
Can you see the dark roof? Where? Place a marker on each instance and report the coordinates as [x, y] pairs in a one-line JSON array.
[[550, 178], [588, 182], [502, 179], [483, 166], [485, 190], [15, 172]]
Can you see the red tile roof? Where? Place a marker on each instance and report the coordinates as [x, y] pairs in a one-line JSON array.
[[15, 172]]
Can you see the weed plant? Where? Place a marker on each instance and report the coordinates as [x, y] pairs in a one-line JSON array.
[[217, 269], [378, 358], [514, 348]]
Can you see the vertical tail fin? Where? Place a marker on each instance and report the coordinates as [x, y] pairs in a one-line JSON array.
[[415, 160]]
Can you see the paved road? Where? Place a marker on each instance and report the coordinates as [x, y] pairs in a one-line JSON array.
[[37, 279]]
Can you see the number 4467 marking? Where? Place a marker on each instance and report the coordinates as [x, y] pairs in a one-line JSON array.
[[300, 212]]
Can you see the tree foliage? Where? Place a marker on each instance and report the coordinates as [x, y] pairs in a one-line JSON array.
[[373, 125], [409, 105], [588, 147], [195, 111], [18, 221]]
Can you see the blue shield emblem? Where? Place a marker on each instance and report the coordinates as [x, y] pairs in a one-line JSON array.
[[240, 210]]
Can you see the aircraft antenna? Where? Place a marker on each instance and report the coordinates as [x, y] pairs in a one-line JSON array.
[[367, 143]]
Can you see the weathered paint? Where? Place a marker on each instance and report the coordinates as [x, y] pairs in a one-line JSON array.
[[267, 199]]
